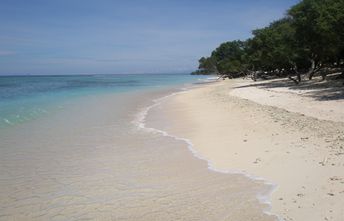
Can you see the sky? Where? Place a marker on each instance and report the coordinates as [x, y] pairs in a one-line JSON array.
[[123, 37]]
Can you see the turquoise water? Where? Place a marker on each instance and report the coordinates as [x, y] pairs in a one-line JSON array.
[[23, 98], [93, 159], [76, 148]]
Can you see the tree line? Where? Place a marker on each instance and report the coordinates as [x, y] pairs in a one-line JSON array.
[[308, 40]]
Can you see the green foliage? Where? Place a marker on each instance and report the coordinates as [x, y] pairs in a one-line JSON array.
[[230, 57], [318, 25], [274, 47], [207, 64], [310, 33]]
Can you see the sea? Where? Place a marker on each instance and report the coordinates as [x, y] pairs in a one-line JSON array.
[[75, 147]]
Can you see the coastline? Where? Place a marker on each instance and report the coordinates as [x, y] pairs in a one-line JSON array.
[[238, 135], [140, 122], [97, 165]]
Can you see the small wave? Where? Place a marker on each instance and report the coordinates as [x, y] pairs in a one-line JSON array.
[[8, 121], [208, 79], [140, 122], [213, 78]]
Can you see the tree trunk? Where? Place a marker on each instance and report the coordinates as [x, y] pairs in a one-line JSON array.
[[295, 81], [311, 71], [298, 76], [254, 76]]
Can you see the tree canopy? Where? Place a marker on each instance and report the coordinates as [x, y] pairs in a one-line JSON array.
[[308, 39]]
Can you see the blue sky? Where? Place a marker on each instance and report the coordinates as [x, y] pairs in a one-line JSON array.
[[114, 37]]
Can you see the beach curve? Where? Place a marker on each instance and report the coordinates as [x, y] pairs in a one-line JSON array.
[[297, 143]]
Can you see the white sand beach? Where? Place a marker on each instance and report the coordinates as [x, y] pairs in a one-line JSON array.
[[290, 136]]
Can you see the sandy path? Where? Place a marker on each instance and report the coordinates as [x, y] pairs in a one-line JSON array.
[[303, 155]]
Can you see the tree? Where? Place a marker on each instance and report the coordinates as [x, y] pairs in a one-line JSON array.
[[274, 49], [309, 39], [207, 64], [318, 25], [229, 58]]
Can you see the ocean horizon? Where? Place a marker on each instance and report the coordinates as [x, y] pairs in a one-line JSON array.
[[172, 110]]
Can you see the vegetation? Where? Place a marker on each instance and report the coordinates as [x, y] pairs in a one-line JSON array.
[[206, 66], [309, 40]]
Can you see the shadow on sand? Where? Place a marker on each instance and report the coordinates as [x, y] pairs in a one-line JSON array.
[[330, 89]]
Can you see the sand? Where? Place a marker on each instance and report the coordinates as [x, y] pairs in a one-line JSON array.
[[292, 138], [90, 161]]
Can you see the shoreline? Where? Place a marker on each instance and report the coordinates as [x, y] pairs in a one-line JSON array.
[[140, 123], [96, 165], [191, 108]]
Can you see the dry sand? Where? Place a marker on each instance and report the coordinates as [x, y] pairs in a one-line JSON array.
[[293, 138]]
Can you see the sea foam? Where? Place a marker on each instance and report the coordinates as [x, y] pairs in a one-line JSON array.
[[140, 123]]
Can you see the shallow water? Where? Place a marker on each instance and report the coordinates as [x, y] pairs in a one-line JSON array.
[[90, 161], [25, 98]]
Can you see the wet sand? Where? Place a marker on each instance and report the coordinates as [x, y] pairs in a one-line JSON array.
[[303, 155], [90, 161]]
